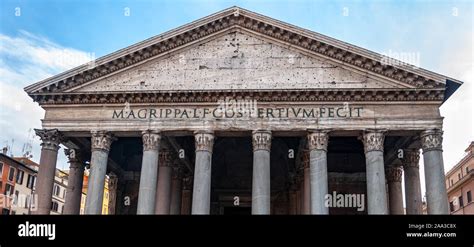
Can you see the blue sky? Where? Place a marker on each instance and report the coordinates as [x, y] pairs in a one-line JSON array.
[[34, 33], [101, 26]]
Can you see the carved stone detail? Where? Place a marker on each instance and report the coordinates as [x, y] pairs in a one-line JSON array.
[[188, 182], [164, 157], [431, 140], [261, 140], [411, 158], [318, 140], [264, 95], [101, 140], [204, 141], [75, 157], [373, 140], [394, 173], [177, 172], [244, 20], [151, 140], [51, 138]]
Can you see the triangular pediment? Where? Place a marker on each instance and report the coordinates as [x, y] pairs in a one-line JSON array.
[[237, 60], [236, 49]]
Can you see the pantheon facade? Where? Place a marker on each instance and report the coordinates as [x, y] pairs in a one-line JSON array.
[[239, 113]]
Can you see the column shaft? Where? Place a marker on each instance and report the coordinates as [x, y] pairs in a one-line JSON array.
[[411, 173], [306, 190], [395, 195], [187, 195], [261, 141], [317, 143], [149, 173], [436, 194], [101, 142], [202, 173], [163, 193], [376, 191], [176, 189], [72, 204], [49, 155]]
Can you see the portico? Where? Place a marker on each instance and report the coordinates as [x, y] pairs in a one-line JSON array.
[[240, 113]]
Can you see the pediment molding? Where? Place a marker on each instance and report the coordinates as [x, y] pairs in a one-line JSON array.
[[46, 90], [345, 95]]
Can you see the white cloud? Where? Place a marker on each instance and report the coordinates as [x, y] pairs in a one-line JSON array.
[[458, 111], [26, 59]]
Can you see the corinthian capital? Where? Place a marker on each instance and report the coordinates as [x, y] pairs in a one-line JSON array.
[[164, 157], [151, 140], [177, 172], [188, 182], [431, 140], [394, 173], [204, 141], [318, 140], [261, 140], [373, 140], [411, 158], [74, 156], [51, 138], [101, 140]]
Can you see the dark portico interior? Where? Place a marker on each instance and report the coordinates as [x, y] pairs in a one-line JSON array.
[[232, 161]]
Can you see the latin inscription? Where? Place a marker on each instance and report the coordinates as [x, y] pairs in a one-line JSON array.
[[219, 113]]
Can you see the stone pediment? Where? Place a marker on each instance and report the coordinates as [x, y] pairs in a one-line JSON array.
[[237, 60], [238, 50]]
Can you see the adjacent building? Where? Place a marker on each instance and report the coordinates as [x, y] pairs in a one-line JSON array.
[[17, 182], [59, 192], [460, 184], [108, 200]]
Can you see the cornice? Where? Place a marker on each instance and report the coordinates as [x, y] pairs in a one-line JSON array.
[[309, 95]]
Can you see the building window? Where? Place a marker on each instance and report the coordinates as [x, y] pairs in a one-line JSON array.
[[8, 189], [451, 206], [1, 169], [469, 197], [459, 176], [467, 169], [15, 199], [56, 190], [54, 206], [461, 202], [27, 201], [19, 177], [11, 175], [451, 181], [30, 183]]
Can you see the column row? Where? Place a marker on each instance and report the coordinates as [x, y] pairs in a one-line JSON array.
[[157, 173]]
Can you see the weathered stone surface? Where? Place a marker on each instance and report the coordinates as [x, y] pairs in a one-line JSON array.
[[236, 60], [404, 116]]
